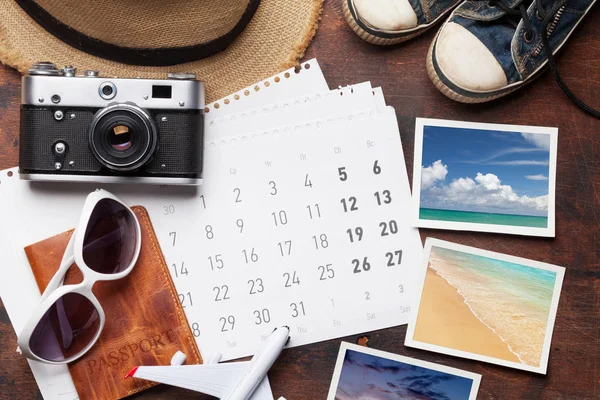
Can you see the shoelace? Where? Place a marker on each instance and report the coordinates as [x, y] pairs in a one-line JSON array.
[[547, 17]]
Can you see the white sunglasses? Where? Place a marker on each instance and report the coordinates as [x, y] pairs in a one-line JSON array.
[[69, 319]]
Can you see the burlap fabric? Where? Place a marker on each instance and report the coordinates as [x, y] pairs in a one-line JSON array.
[[275, 38]]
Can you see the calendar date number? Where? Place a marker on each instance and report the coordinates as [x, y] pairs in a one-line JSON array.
[[262, 316], [360, 267], [285, 248], [291, 279], [388, 228], [383, 197], [355, 234], [168, 210], [321, 241], [256, 286], [216, 262], [221, 293], [186, 300], [180, 270], [196, 329], [227, 323], [376, 167], [297, 309], [250, 256], [349, 204], [327, 272], [394, 258]]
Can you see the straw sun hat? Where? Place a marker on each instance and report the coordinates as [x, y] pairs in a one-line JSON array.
[[229, 44]]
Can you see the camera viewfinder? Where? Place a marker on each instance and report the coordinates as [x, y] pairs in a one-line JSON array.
[[161, 92]]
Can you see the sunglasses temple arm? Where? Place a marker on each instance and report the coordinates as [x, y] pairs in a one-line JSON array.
[[59, 277]]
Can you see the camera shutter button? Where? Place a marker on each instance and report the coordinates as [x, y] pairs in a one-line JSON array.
[[91, 73], [44, 68]]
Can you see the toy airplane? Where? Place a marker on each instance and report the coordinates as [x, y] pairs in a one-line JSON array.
[[230, 381]]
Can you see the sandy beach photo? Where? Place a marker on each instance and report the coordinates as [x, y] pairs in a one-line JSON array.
[[363, 373], [486, 306], [471, 334], [484, 177]]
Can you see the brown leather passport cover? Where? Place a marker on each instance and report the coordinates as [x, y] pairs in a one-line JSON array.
[[145, 324]]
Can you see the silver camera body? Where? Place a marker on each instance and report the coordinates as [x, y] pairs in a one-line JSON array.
[[90, 128]]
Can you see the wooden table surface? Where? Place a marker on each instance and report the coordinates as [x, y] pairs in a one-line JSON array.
[[574, 366]]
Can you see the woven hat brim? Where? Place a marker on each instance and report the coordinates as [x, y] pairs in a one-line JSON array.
[[275, 39]]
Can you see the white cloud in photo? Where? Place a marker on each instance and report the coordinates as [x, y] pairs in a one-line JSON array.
[[538, 139], [484, 193], [435, 172], [538, 177]]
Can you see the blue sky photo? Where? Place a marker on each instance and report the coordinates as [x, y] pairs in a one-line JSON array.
[[485, 171], [367, 377]]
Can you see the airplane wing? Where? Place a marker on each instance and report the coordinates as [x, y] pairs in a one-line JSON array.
[[263, 391], [213, 379]]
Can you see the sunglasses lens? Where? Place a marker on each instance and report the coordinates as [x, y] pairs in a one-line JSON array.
[[110, 238], [66, 329]]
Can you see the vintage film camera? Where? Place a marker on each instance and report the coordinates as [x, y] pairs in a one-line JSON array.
[[88, 128]]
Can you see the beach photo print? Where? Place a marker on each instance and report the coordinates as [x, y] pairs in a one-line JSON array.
[[485, 306], [484, 177], [363, 373]]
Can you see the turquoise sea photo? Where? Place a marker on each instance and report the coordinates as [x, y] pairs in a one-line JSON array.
[[484, 218], [484, 177]]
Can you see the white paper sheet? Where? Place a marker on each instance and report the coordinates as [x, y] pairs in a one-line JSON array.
[[323, 105], [288, 84]]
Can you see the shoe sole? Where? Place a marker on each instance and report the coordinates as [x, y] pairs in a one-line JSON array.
[[478, 98], [374, 37]]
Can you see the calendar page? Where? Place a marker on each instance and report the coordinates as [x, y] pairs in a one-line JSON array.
[[304, 226], [314, 237]]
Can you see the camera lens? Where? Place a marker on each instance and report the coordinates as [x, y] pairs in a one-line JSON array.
[[123, 137]]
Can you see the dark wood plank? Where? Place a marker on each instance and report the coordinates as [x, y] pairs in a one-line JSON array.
[[574, 367]]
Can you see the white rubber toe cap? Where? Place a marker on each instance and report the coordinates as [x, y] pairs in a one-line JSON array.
[[466, 61], [388, 15]]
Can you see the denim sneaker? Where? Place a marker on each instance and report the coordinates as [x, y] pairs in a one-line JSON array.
[[386, 22], [488, 49]]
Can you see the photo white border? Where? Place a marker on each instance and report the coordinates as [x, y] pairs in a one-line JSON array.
[[560, 273], [337, 372], [477, 227]]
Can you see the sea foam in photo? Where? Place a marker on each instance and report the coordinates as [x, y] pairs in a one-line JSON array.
[[512, 300]]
